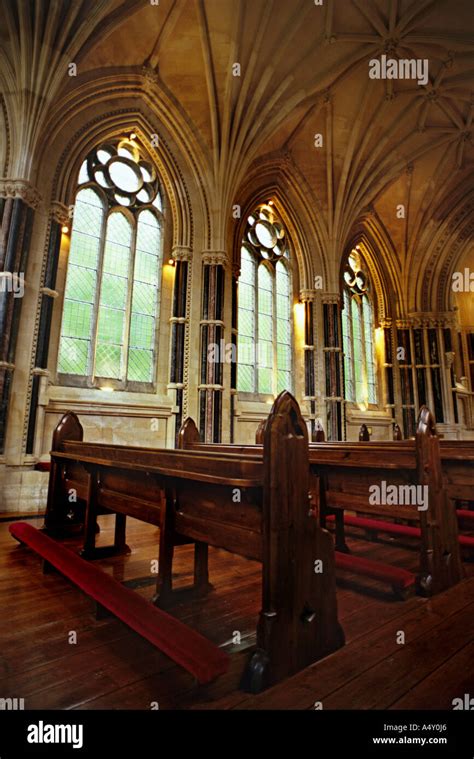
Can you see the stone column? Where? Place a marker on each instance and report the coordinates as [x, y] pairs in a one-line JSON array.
[[48, 293], [179, 363], [18, 202], [213, 352], [311, 392], [333, 366]]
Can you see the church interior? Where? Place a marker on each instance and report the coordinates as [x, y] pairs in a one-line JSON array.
[[236, 354]]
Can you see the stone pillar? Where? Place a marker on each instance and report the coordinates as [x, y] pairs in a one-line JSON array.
[[333, 366], [48, 293], [311, 392], [179, 363], [18, 201], [213, 351]]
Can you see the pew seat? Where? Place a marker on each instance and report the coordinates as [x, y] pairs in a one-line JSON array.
[[185, 646]]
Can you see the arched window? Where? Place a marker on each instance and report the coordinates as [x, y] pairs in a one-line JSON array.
[[264, 306], [111, 301], [358, 333]]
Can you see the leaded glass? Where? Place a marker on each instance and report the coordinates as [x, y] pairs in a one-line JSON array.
[[111, 295], [264, 306]]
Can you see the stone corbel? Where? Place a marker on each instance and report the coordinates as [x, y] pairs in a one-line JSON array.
[[60, 213]]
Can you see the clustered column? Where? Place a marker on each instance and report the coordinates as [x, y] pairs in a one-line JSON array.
[[212, 334], [48, 293], [17, 203], [334, 395], [179, 330]]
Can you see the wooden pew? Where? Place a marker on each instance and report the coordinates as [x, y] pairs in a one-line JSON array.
[[190, 495], [342, 474]]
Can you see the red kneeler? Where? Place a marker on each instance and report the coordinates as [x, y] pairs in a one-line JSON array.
[[185, 646]]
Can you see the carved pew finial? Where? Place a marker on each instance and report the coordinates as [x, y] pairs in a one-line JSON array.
[[260, 432], [397, 432], [440, 558], [364, 435], [318, 434], [188, 434], [298, 623]]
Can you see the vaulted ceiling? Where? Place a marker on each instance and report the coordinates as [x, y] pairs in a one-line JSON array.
[[303, 71]]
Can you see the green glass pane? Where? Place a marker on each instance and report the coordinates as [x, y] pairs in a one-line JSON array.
[[111, 322], [148, 233], [246, 350], [265, 281], [283, 357], [283, 307], [108, 360], [246, 379], [81, 284], [265, 327], [84, 250], [247, 268], [88, 213], [114, 291], [283, 331], [142, 331], [116, 259], [265, 353], [246, 323], [119, 229], [146, 268], [265, 305], [265, 380], [144, 298], [73, 356], [140, 365], [77, 319], [283, 381], [282, 280], [246, 296]]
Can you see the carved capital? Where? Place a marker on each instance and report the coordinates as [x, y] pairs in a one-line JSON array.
[[22, 189], [214, 257], [150, 76], [181, 253], [309, 295], [331, 297]]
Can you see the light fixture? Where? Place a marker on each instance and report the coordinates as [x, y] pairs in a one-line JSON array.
[[171, 261], [133, 136], [65, 230], [270, 202]]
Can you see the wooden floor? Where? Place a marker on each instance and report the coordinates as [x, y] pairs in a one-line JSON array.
[[111, 667]]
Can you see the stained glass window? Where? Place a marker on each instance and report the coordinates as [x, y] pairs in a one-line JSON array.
[[111, 298], [360, 377], [264, 306]]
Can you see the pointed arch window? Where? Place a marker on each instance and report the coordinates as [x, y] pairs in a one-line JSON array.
[[111, 300], [264, 306], [360, 375]]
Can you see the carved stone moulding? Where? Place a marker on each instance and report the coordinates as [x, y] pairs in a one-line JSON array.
[[308, 296], [331, 297], [428, 320], [22, 189]]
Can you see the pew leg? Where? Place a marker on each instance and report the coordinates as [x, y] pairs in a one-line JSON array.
[[201, 568], [90, 525], [341, 544], [256, 676], [120, 546]]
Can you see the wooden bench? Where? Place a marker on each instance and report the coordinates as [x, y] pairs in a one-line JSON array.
[[257, 507], [343, 473]]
